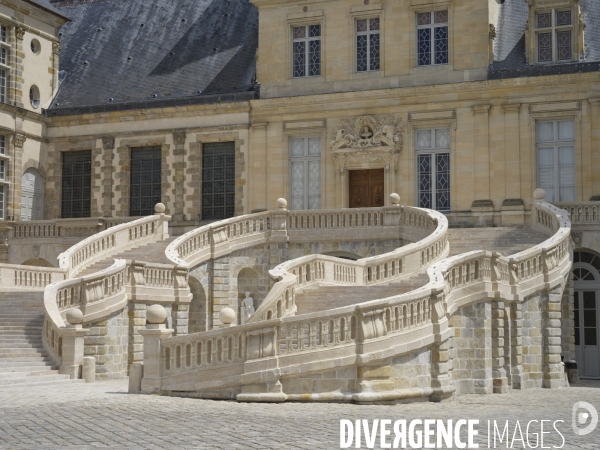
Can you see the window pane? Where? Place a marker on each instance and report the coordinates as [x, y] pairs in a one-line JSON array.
[[545, 131], [374, 52], [145, 178], [314, 58], [441, 45], [361, 53], [297, 185], [299, 32], [442, 138], [441, 16], [314, 185], [218, 176], [361, 25], [563, 18], [423, 139], [314, 146], [374, 24], [76, 175], [544, 47], [299, 59], [566, 156], [566, 130], [544, 20], [424, 18], [563, 43], [424, 180], [590, 336], [424, 46], [442, 192], [297, 147], [314, 31]]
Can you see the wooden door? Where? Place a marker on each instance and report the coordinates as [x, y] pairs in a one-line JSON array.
[[366, 188]]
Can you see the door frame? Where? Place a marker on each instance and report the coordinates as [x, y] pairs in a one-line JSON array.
[[389, 181], [581, 286]]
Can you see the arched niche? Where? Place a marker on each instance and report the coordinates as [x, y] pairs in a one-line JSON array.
[[199, 313], [32, 196]]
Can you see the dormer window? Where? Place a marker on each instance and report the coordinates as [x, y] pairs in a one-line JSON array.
[[554, 36]]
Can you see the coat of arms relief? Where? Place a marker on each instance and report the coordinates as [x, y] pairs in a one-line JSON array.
[[373, 140]]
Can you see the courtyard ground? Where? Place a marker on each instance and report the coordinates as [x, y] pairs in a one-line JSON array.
[[102, 414]]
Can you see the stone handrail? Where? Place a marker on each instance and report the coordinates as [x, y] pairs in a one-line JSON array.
[[30, 278], [369, 331], [429, 227], [113, 241], [153, 281], [88, 298], [582, 213], [35, 229]]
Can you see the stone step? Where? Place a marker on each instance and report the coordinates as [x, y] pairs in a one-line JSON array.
[[42, 367], [26, 381], [13, 352], [9, 329], [16, 345], [22, 361], [15, 375]]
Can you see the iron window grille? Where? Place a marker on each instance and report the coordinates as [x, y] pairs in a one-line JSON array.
[[554, 36], [368, 55], [433, 168], [76, 184], [306, 49], [145, 185], [218, 180], [305, 173], [432, 38]]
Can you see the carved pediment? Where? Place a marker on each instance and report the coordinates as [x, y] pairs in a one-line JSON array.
[[368, 132]]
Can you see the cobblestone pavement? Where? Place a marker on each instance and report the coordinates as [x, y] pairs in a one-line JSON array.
[[87, 416]]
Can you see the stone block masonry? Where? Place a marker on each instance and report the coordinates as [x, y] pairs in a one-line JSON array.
[[108, 341]]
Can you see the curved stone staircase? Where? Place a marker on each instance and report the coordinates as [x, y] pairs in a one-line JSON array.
[[505, 240], [23, 360]]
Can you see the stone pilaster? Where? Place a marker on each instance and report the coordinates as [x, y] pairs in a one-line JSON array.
[[441, 383], [553, 371], [13, 210], [500, 379], [179, 166], [482, 155], [106, 169], [137, 322], [220, 289], [568, 320], [180, 314], [516, 348]]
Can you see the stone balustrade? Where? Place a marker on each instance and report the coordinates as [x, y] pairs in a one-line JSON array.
[[29, 278], [42, 229], [247, 362], [582, 213]]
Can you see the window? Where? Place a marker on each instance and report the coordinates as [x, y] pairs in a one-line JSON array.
[[218, 180], [307, 51], [145, 184], [2, 144], [556, 159], [76, 184], [433, 168], [305, 170], [554, 36], [2, 169], [34, 97], [367, 45], [4, 62], [35, 46], [1, 202], [432, 38]]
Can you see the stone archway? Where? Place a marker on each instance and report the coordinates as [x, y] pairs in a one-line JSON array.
[[37, 262], [199, 312], [32, 196]]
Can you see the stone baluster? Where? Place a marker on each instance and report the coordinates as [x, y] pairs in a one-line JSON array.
[[499, 376], [154, 332], [72, 344]]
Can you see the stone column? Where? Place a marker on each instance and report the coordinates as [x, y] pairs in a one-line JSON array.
[[441, 383], [108, 149], [516, 348], [595, 127], [154, 332], [500, 379], [72, 344], [553, 371]]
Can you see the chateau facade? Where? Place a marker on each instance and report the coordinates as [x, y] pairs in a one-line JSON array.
[[216, 109]]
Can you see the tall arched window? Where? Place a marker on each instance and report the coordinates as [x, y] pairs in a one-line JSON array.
[[586, 277], [32, 195]]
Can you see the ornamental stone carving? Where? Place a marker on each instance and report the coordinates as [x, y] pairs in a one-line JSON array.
[[577, 237], [56, 48], [108, 143], [20, 32], [19, 139], [179, 137], [367, 140]]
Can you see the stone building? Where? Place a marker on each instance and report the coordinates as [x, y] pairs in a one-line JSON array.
[[215, 109]]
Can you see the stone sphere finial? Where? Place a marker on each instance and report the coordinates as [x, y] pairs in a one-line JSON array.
[[156, 314], [227, 316], [74, 316], [539, 194], [394, 199], [281, 203], [160, 208]]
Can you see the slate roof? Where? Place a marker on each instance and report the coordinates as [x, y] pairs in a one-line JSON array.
[[45, 4], [124, 54], [509, 49]]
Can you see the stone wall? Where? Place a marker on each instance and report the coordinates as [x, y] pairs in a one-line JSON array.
[[223, 286]]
